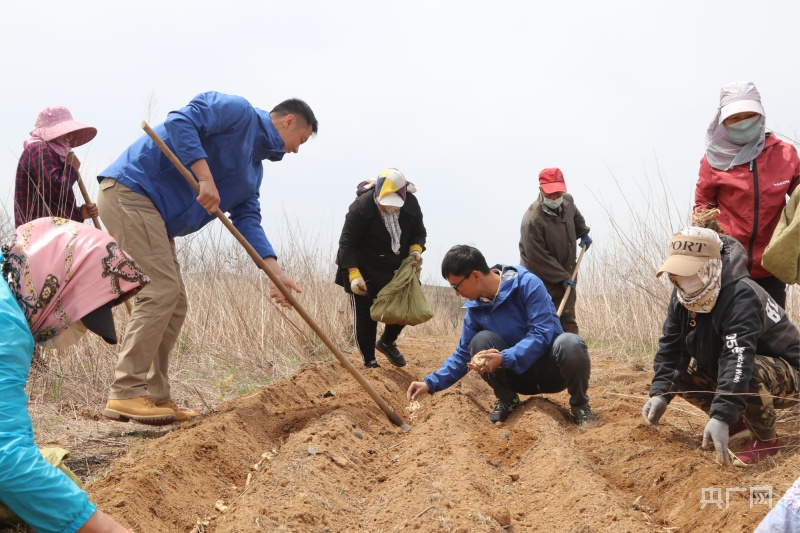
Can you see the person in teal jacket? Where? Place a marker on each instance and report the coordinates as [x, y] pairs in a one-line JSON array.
[[512, 336], [60, 278], [145, 203]]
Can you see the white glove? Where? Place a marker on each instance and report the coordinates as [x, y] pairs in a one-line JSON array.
[[716, 431], [417, 258], [359, 286], [653, 409]]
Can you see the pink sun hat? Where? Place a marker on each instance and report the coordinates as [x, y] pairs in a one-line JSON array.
[[55, 121]]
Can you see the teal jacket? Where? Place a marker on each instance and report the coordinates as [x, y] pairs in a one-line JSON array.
[[43, 496]]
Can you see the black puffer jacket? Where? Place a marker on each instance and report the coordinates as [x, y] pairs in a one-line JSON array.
[[365, 242], [744, 322]]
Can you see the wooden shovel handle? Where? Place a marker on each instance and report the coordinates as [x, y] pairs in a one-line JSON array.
[[574, 278]]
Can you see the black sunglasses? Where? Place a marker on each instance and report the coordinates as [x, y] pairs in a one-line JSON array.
[[457, 285]]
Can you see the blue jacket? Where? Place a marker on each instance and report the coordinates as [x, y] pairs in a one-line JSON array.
[[523, 314], [233, 136], [43, 496]]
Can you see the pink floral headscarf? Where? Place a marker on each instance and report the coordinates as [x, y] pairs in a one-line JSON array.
[[61, 270]]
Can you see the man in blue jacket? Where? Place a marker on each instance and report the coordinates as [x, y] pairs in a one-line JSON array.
[[145, 203], [512, 336]]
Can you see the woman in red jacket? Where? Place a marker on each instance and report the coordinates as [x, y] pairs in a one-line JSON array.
[[747, 173]]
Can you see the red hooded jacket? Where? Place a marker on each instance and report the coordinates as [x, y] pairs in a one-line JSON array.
[[747, 216]]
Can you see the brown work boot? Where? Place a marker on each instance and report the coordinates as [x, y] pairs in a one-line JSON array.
[[180, 415], [141, 409]]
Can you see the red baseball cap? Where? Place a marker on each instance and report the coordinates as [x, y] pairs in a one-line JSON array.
[[552, 180]]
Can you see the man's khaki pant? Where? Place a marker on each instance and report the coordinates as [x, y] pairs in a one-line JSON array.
[[160, 308]]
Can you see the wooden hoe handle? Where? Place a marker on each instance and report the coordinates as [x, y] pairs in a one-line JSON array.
[[393, 416]]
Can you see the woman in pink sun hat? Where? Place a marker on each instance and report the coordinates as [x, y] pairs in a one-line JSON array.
[[48, 169]]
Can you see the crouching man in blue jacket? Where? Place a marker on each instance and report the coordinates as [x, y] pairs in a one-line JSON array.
[[512, 321]]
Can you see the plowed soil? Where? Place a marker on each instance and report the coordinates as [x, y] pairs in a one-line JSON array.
[[314, 453]]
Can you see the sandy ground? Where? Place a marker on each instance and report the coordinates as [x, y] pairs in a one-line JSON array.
[[315, 453]]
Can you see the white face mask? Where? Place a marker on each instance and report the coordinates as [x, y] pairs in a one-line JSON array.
[[688, 284], [66, 338], [552, 204]]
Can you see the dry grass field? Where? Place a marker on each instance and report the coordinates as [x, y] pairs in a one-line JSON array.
[[257, 372]]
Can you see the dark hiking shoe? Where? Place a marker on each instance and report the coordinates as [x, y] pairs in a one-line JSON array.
[[371, 364], [502, 410], [391, 352], [584, 416], [755, 451]]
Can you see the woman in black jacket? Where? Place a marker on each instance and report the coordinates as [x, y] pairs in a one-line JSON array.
[[726, 346], [383, 227]]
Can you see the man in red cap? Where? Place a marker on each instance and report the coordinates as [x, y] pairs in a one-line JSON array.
[[550, 227]]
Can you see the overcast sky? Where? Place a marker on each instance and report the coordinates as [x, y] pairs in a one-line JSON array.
[[469, 99]]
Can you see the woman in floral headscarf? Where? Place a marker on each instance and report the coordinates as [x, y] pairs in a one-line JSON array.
[[48, 169], [60, 279], [747, 173], [383, 227]]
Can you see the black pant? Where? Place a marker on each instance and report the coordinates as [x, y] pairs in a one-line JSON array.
[[365, 329], [775, 288], [565, 366]]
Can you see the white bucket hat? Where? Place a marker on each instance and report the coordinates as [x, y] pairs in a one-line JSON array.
[[739, 97]]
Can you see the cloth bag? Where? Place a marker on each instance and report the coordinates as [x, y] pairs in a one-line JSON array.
[[401, 301], [782, 255]]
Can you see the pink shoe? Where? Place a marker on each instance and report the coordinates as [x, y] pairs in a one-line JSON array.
[[757, 450]]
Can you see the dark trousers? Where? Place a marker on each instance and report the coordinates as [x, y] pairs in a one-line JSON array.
[[365, 329], [774, 385], [775, 288], [569, 321], [565, 366]]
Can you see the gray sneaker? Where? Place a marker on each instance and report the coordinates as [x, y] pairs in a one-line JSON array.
[[371, 364], [584, 416]]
